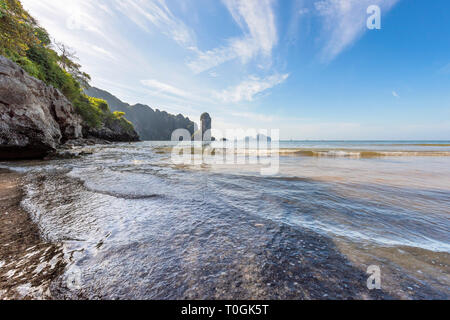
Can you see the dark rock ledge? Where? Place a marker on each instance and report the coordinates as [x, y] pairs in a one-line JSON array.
[[36, 119]]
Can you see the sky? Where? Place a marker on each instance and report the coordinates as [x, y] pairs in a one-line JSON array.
[[311, 68]]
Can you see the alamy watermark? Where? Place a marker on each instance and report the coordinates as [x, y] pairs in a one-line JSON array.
[[374, 20], [74, 278], [233, 147], [374, 280]]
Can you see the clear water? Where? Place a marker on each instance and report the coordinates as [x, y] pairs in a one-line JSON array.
[[134, 225]]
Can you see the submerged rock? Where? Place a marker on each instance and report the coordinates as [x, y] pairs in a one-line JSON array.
[[34, 118]]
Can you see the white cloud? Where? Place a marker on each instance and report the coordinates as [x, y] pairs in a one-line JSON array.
[[105, 53], [395, 94], [345, 22], [303, 11], [248, 89], [74, 14], [168, 91], [253, 116], [257, 22], [164, 87], [145, 13], [86, 26], [257, 17]]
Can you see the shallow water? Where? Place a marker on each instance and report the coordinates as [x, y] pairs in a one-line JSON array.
[[135, 225]]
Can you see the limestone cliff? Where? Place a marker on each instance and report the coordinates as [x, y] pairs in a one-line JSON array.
[[36, 118], [150, 124]]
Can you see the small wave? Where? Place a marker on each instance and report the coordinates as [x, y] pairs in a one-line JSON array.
[[121, 185], [15, 168], [128, 196], [302, 152], [361, 154]]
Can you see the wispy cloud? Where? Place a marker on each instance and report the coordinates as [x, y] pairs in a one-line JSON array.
[[164, 87], [74, 13], [248, 89], [395, 94], [257, 18], [147, 13], [104, 53], [257, 22], [86, 26], [253, 116], [344, 22], [174, 93]]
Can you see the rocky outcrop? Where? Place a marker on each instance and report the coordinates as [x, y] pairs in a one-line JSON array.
[[150, 124], [112, 131], [206, 122], [34, 118]]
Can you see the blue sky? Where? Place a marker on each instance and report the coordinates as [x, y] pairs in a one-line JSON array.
[[310, 68]]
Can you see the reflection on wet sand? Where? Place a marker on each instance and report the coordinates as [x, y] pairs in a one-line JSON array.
[[28, 265]]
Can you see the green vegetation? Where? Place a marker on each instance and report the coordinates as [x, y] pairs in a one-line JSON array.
[[23, 41], [119, 117], [151, 125], [3, 8]]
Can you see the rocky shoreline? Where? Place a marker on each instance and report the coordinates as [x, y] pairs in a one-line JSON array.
[[28, 264], [37, 119]]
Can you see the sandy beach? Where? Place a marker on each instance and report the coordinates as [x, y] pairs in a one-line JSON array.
[[28, 264]]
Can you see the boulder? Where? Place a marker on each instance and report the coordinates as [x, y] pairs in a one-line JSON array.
[[34, 118]]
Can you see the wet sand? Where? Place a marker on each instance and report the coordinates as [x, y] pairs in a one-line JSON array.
[[28, 264]]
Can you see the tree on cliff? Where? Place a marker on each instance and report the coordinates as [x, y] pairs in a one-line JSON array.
[[26, 43], [67, 58]]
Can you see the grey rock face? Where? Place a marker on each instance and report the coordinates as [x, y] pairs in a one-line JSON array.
[[111, 131], [34, 118], [206, 126], [150, 124]]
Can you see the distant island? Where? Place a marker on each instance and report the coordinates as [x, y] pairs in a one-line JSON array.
[[259, 137]]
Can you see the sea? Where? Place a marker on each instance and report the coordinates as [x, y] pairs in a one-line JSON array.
[[135, 224]]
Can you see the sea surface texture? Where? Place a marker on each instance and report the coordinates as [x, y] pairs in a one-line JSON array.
[[134, 225]]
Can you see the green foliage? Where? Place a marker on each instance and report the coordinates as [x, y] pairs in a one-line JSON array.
[[90, 113], [28, 65], [26, 43], [97, 111], [43, 36], [119, 115], [46, 59], [100, 104], [3, 8], [16, 28], [125, 124]]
